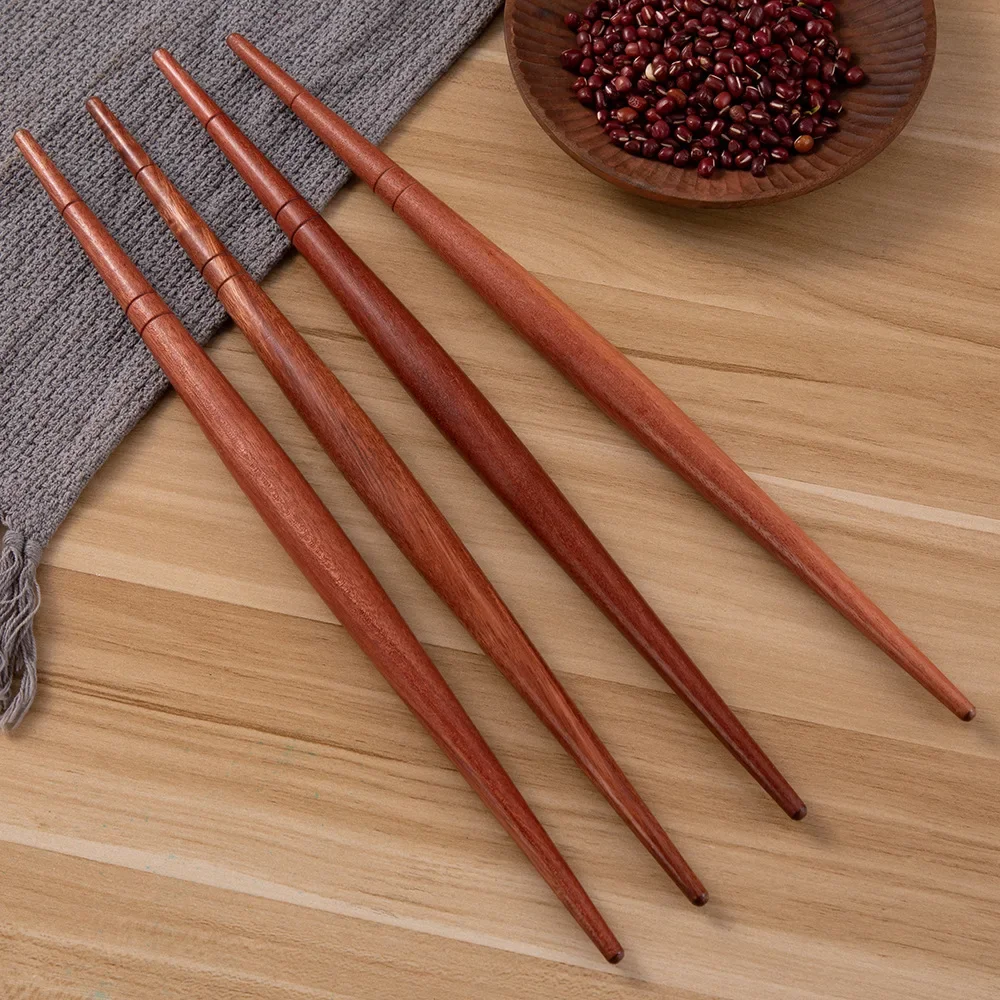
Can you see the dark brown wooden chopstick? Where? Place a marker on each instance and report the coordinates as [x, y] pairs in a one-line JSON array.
[[316, 543], [472, 424], [601, 371], [394, 496]]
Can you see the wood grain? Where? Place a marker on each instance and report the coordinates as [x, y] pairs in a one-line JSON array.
[[608, 377], [893, 40], [189, 813], [316, 543]]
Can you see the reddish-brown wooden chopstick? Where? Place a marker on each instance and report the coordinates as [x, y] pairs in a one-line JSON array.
[[316, 543], [395, 497], [462, 412], [601, 371]]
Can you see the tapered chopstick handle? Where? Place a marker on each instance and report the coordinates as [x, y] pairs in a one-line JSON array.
[[314, 540], [603, 373], [394, 496], [468, 419]]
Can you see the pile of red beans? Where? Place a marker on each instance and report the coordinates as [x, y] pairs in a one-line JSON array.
[[711, 83]]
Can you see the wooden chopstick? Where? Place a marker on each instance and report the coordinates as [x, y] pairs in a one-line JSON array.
[[393, 495], [316, 543], [603, 373], [468, 419]]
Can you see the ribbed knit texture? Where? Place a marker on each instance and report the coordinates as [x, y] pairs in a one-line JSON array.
[[74, 376]]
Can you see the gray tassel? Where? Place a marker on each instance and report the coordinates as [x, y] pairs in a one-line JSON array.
[[19, 600]]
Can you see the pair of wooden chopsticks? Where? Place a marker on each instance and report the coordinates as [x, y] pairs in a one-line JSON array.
[[305, 528], [598, 369]]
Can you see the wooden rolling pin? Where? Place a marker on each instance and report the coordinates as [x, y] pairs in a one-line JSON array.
[[603, 373], [472, 424], [317, 544], [393, 495]]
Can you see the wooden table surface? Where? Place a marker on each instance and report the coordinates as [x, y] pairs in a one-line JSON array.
[[217, 796]]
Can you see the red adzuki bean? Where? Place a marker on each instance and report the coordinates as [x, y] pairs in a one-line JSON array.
[[736, 84]]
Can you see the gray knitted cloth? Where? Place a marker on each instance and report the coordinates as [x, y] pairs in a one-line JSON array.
[[74, 377]]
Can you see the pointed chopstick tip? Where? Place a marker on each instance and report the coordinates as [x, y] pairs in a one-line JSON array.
[[952, 698], [204, 108], [133, 155], [25, 141], [163, 60], [56, 186], [283, 85]]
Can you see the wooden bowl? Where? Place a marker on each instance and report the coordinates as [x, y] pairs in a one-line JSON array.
[[893, 41]]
